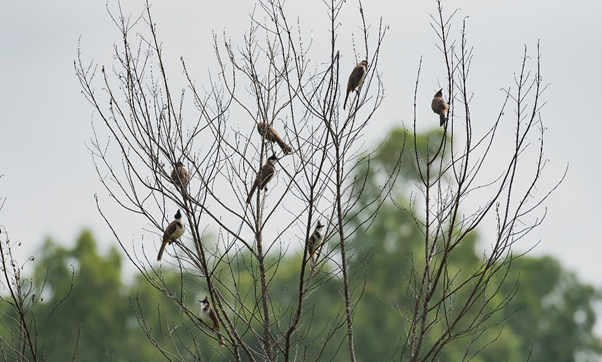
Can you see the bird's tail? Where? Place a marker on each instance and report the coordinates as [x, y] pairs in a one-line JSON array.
[[221, 340], [161, 250], [345, 103], [285, 148], [251, 193], [442, 119]]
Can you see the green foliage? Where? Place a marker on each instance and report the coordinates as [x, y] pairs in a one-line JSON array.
[[97, 305], [550, 318], [397, 244], [107, 312], [555, 312]]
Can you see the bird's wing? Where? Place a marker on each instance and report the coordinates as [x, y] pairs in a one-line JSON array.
[[213, 317], [273, 134], [276, 138], [267, 171], [311, 244], [437, 105], [171, 228], [355, 78]]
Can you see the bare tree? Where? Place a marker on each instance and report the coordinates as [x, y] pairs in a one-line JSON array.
[[272, 79], [262, 202], [439, 303]]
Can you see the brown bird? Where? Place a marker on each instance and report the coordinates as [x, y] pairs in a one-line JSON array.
[[314, 242], [439, 106], [174, 230], [269, 134], [264, 176], [179, 176], [209, 317], [356, 78]]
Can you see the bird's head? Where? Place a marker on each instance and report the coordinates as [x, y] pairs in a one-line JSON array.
[[262, 128], [319, 225], [273, 159], [204, 302], [178, 215], [179, 164], [364, 63], [439, 93]]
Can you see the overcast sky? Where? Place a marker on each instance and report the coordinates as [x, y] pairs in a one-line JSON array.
[[49, 178]]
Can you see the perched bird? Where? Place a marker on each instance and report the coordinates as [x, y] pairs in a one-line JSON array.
[[179, 176], [356, 78], [174, 230], [209, 317], [439, 106], [314, 242], [264, 176], [269, 134]]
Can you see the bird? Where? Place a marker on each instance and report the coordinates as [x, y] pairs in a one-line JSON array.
[[356, 78], [174, 230], [439, 106], [264, 176], [314, 241], [269, 133], [179, 176], [209, 317]]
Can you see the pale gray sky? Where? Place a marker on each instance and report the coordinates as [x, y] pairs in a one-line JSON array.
[[49, 178]]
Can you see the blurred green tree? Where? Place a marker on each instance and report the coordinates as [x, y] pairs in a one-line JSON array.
[[108, 312], [550, 317], [98, 302], [555, 312]]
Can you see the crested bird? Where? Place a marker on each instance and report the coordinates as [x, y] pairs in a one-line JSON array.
[[209, 317], [265, 174], [269, 134], [174, 230], [314, 242], [179, 176], [356, 78], [439, 106]]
